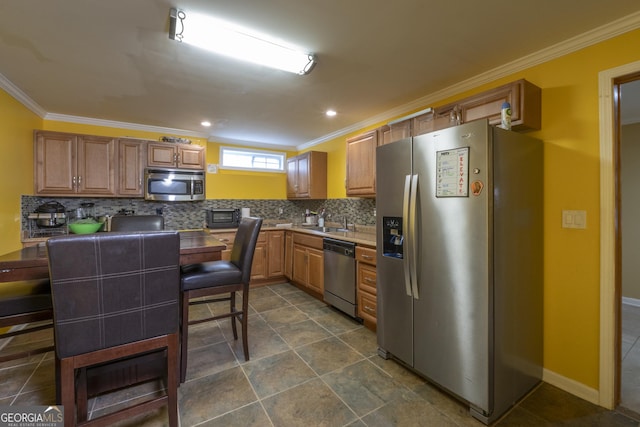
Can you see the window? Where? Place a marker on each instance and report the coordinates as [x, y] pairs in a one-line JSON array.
[[237, 158]]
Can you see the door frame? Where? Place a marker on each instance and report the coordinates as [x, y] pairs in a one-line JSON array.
[[610, 292]]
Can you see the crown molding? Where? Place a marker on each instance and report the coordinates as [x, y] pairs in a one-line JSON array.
[[21, 97], [122, 125], [597, 35]]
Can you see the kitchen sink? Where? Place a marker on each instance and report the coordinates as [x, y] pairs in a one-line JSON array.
[[328, 229]]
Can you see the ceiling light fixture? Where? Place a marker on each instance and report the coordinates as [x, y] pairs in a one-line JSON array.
[[205, 123], [331, 113], [224, 38]]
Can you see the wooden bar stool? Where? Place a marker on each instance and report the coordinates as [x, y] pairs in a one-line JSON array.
[[217, 278]]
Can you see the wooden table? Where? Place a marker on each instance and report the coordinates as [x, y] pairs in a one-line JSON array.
[[32, 263]]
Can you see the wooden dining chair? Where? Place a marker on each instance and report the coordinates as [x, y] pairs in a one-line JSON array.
[[115, 297], [25, 308], [221, 277]]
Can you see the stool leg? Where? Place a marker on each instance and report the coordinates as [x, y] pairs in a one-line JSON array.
[[68, 391], [184, 336], [245, 322], [232, 309]]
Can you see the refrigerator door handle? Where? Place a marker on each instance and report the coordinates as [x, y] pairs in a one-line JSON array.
[[407, 237], [413, 246]]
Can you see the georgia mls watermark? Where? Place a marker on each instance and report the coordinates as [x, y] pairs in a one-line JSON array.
[[31, 416]]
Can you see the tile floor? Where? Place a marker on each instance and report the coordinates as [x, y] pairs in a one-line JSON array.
[[630, 389], [310, 366]]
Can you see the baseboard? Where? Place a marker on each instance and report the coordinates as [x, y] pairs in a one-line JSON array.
[[571, 386], [631, 301]]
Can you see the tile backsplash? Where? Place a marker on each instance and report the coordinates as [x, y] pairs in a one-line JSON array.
[[189, 215]]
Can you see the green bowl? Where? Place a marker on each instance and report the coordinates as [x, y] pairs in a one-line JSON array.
[[84, 227]]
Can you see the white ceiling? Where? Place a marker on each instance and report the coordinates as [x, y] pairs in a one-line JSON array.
[[103, 61]]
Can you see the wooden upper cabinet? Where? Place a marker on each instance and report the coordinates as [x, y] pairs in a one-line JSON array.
[[68, 164], [307, 176], [526, 111], [131, 160], [181, 156], [361, 164], [526, 107]]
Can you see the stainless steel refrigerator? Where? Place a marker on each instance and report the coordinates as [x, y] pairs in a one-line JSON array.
[[459, 259]]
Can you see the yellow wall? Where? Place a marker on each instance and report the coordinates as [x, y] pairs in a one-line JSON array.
[[571, 181], [16, 166]]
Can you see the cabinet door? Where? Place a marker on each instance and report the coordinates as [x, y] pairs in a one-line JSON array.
[[275, 253], [259, 265], [315, 266], [96, 165], [400, 130], [361, 164], [292, 177], [300, 264], [288, 255], [161, 155], [302, 176], [131, 158], [190, 157], [422, 124], [226, 237], [55, 163]]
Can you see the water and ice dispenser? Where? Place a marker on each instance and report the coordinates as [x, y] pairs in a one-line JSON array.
[[393, 239]]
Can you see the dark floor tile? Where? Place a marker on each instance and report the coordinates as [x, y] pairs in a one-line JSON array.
[[209, 397], [519, 417], [277, 373], [43, 376], [302, 333], [299, 297], [309, 404], [261, 292], [203, 334], [398, 372], [448, 405], [284, 288], [363, 386], [43, 396], [263, 340], [315, 309], [252, 415], [409, 410], [209, 360], [337, 324], [328, 355], [555, 405], [261, 305], [363, 340], [284, 316], [12, 379]]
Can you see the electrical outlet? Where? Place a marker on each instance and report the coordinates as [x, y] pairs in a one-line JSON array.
[[574, 219]]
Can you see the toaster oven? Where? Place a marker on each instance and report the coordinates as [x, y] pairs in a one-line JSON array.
[[223, 218]]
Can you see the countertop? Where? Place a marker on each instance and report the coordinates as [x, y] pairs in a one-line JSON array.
[[364, 235]]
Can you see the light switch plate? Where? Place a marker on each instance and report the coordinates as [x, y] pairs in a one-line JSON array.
[[574, 219]]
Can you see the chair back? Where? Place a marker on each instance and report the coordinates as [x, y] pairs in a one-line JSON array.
[[137, 223], [244, 245], [110, 289]]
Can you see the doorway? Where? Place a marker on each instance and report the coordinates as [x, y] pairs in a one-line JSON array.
[[628, 143], [610, 238]]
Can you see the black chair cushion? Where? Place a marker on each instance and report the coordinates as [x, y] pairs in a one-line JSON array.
[[26, 296], [210, 274]]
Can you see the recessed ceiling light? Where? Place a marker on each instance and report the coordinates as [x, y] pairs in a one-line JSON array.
[[331, 113], [205, 123]]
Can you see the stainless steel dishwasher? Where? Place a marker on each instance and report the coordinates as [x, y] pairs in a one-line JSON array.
[[340, 275]]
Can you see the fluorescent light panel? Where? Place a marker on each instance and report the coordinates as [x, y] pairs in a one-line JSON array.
[[226, 39]]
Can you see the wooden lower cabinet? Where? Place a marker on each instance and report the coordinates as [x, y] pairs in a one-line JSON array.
[[268, 258], [366, 285], [308, 262]]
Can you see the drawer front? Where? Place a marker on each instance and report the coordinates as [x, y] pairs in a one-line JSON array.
[[367, 278], [307, 240], [367, 307], [225, 237], [364, 254]]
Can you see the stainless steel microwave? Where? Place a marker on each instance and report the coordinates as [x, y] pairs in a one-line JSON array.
[[174, 185]]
